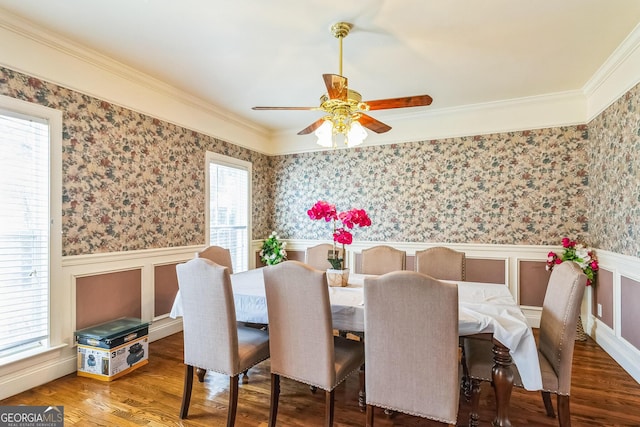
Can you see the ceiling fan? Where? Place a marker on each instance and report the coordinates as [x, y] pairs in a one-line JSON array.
[[346, 112]]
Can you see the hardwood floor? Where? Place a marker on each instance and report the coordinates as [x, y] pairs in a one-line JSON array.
[[602, 394]]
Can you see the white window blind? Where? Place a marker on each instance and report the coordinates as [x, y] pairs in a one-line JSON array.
[[229, 211], [24, 232]]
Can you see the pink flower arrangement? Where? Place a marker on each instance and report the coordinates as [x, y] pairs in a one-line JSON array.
[[573, 251], [351, 218]]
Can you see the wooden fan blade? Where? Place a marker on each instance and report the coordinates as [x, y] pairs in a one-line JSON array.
[[407, 101], [373, 124], [336, 86], [284, 108], [313, 126]]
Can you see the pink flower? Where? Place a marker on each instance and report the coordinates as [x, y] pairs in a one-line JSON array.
[[585, 257], [566, 243], [323, 210], [343, 236], [354, 217], [349, 219]]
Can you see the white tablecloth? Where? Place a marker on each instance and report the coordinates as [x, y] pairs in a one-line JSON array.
[[484, 308]]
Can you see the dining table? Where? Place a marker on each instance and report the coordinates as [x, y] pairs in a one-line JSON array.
[[485, 311]]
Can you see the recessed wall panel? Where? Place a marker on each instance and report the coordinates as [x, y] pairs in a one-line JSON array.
[[603, 290], [629, 313], [105, 297], [165, 288], [533, 279], [484, 270]]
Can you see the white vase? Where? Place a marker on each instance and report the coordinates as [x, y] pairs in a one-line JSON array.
[[337, 278]]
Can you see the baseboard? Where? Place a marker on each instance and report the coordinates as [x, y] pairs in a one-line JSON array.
[[622, 352], [27, 379], [164, 328]]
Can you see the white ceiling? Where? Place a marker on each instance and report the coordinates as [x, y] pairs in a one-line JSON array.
[[243, 53]]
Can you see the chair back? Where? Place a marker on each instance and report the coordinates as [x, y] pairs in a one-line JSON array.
[[209, 319], [219, 255], [441, 263], [382, 259], [411, 345], [560, 311], [317, 256], [300, 329]]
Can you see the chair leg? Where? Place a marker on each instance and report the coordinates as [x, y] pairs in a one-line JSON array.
[[233, 400], [369, 415], [186, 393], [275, 394], [245, 377], [564, 416], [201, 373], [548, 406], [328, 408], [474, 419]]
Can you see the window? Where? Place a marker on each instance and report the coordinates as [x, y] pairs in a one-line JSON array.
[[228, 210], [30, 250]]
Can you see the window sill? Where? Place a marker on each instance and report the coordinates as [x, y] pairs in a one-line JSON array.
[[31, 357]]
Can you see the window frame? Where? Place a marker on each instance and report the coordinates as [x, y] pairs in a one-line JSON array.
[[223, 160], [59, 293]]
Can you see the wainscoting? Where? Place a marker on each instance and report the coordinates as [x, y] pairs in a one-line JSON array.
[[143, 284]]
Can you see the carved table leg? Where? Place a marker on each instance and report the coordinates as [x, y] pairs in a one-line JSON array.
[[362, 401], [502, 376]]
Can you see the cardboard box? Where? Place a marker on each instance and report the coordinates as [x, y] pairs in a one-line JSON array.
[[113, 349]]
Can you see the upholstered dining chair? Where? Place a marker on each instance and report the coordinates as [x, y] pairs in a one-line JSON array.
[[441, 263], [316, 256], [303, 347], [382, 259], [560, 310], [212, 338], [219, 255], [411, 368]]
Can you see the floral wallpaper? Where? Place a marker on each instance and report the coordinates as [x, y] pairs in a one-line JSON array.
[[131, 181], [614, 172], [511, 188]]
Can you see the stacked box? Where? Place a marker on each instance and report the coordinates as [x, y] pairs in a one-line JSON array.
[[110, 350]]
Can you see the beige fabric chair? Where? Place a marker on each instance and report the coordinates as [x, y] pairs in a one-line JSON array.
[[441, 263], [219, 255], [303, 347], [382, 259], [411, 346], [316, 256], [560, 311], [212, 338]]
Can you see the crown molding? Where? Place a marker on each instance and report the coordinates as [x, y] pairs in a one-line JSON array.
[[36, 52], [535, 112], [615, 77]]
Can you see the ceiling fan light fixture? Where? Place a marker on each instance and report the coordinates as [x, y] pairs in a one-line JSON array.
[[356, 135], [325, 134], [346, 112]]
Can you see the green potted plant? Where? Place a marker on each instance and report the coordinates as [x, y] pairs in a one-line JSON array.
[[273, 250]]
